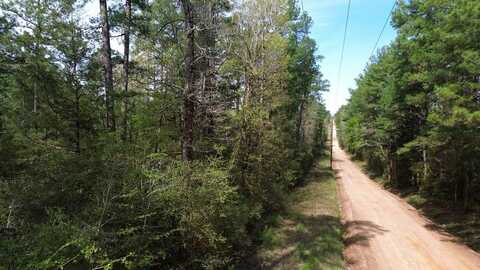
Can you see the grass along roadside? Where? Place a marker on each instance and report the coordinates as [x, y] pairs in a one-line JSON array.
[[309, 234]]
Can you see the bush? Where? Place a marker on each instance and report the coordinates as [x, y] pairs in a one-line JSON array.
[[416, 200], [206, 215]]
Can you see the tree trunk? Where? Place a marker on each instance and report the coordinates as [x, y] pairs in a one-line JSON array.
[[107, 66], [77, 109], [247, 95], [189, 92], [392, 164], [466, 197], [10, 217], [205, 68], [466, 194], [425, 165], [126, 59], [35, 97], [456, 193], [77, 121], [300, 122]]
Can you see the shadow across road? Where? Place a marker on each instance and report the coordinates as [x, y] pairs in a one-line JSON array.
[[359, 232]]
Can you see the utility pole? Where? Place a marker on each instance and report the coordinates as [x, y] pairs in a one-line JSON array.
[[331, 144]]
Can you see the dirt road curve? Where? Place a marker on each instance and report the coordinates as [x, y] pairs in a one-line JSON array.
[[384, 232]]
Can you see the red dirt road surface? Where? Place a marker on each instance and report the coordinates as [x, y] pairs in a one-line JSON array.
[[384, 232]]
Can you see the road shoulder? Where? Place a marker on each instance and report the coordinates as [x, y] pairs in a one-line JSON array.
[[309, 234]]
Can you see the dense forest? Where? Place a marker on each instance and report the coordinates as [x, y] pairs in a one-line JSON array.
[[415, 114], [160, 134]]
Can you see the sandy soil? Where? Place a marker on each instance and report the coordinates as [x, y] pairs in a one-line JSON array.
[[384, 232]]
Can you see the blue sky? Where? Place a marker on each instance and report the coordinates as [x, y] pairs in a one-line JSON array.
[[367, 18]]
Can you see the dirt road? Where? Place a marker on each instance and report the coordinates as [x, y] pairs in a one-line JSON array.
[[384, 232]]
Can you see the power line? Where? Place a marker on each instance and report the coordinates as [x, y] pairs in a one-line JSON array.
[[343, 43], [383, 28]]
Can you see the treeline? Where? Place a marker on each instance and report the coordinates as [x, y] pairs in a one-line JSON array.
[[415, 114], [164, 154]]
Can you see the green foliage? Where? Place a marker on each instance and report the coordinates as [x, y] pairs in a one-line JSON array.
[[206, 213], [310, 227], [77, 194], [414, 114], [416, 200]]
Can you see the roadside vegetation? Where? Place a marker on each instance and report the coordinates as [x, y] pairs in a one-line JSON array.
[[308, 235], [414, 118], [154, 135]]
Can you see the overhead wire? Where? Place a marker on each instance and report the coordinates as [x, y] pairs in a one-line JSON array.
[[343, 43], [383, 28]]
